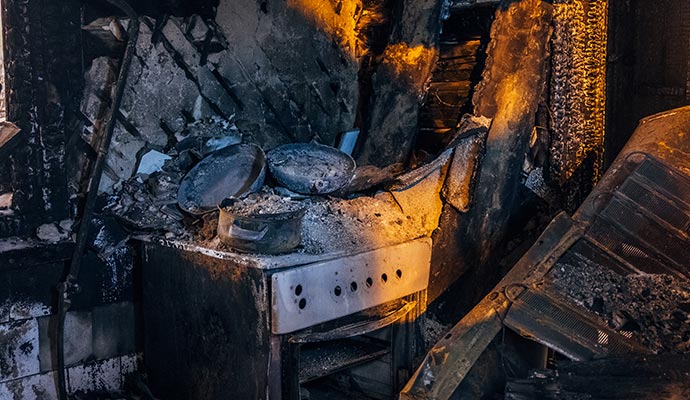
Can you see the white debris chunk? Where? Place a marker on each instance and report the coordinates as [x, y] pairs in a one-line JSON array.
[[151, 162], [52, 233]]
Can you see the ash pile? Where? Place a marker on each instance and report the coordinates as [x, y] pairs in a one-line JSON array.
[[653, 309]]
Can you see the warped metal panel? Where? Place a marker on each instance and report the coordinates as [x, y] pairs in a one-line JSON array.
[[320, 292]]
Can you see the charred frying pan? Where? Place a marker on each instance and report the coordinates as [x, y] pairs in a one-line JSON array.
[[229, 172], [311, 168]]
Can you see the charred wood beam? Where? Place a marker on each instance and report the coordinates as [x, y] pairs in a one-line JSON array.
[[623, 377], [399, 84], [70, 286], [513, 85]]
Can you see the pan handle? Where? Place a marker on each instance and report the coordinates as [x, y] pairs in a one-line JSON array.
[[236, 232]]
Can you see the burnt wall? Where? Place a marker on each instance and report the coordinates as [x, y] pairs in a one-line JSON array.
[[101, 342], [463, 42], [43, 70], [43, 63], [648, 64]]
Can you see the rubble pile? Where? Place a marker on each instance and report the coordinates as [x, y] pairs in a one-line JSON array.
[[148, 203], [220, 90], [654, 308]]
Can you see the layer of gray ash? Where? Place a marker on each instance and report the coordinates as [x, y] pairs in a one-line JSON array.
[[266, 201], [330, 224], [654, 309]]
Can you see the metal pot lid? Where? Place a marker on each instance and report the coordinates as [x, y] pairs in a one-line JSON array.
[[310, 168], [229, 172]]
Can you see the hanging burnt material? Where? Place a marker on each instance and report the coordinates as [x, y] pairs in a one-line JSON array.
[[512, 87], [399, 84], [577, 97]]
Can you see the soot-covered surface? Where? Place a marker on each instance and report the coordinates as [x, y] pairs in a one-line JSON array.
[[331, 224], [653, 308]]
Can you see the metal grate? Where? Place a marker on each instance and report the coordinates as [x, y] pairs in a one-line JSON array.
[[641, 228], [656, 238], [647, 219], [666, 179], [627, 248], [564, 328], [663, 207], [592, 255]]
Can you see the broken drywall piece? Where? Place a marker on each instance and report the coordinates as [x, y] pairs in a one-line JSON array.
[[152, 161], [52, 233], [418, 193], [98, 83], [122, 158], [459, 185], [66, 224], [107, 29], [470, 125]]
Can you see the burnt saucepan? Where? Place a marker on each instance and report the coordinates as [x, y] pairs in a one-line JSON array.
[[259, 233]]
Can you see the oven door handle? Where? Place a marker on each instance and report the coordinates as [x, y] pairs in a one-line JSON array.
[[356, 329]]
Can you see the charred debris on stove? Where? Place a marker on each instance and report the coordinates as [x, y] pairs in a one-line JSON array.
[[336, 214], [160, 137]]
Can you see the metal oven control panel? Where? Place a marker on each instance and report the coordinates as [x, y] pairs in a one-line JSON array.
[[315, 293]]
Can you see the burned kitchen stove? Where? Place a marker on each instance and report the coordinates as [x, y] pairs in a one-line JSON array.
[[342, 306], [222, 324]]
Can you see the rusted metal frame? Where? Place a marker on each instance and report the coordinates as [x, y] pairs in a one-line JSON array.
[[70, 286], [451, 358]]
